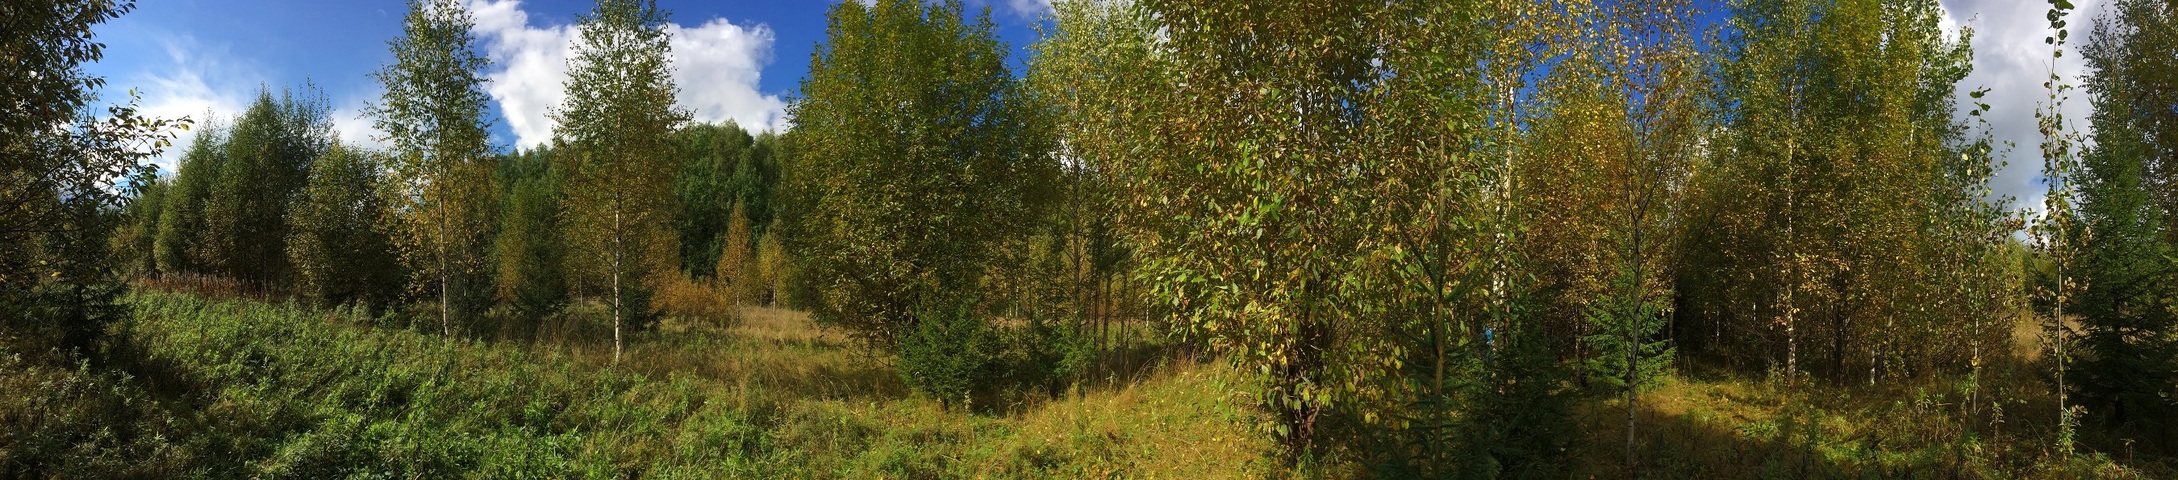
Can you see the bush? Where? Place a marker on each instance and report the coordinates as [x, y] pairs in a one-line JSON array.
[[1047, 354], [691, 300], [948, 354]]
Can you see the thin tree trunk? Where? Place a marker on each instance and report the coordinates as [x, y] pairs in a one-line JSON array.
[[619, 309], [1792, 276], [446, 316]]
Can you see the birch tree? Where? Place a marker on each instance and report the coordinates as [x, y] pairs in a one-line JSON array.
[[615, 127], [440, 181]]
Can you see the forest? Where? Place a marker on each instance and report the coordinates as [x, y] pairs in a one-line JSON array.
[[1179, 239]]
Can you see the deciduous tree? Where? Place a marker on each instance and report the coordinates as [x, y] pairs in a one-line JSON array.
[[340, 246], [615, 128], [914, 159], [432, 114]]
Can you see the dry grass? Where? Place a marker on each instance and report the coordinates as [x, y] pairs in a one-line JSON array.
[[851, 414], [690, 300]]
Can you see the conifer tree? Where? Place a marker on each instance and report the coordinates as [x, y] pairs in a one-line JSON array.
[[2128, 309]]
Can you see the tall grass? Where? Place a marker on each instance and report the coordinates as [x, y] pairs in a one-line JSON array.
[[241, 388], [209, 388]]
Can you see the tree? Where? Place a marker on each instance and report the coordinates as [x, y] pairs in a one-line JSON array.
[[180, 247], [63, 166], [531, 247], [914, 159], [1622, 124], [616, 127], [266, 162], [1828, 184], [710, 185], [1087, 72], [774, 271], [2058, 233], [2128, 345], [135, 241], [433, 116], [736, 267], [340, 248]]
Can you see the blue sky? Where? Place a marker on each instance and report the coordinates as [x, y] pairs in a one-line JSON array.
[[742, 60], [737, 60]]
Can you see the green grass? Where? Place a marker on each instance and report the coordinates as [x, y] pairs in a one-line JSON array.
[[237, 388], [233, 388]]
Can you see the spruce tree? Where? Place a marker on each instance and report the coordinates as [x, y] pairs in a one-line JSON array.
[[2128, 345]]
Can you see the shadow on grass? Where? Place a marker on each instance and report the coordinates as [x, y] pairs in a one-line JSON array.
[[1680, 446]]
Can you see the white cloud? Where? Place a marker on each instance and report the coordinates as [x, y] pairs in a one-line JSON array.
[[717, 66], [2011, 60], [1033, 9], [197, 84], [354, 128], [211, 84], [530, 63]]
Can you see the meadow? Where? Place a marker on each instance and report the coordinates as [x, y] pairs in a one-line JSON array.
[[210, 386]]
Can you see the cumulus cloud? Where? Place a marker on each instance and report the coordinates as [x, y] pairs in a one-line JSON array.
[[717, 67], [716, 64], [2011, 61], [530, 64]]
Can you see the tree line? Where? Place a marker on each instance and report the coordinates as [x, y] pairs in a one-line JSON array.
[[1426, 228]]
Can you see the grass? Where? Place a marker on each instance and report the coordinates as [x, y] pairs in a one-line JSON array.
[[200, 387], [243, 388]]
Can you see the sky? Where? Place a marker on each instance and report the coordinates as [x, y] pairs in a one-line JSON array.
[[739, 60], [742, 60]]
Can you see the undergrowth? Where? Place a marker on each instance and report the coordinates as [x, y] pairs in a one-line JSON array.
[[240, 388], [195, 387]]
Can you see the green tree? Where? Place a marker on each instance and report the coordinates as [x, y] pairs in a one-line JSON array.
[[433, 116], [340, 247], [532, 250], [2128, 308], [723, 168], [135, 241], [914, 160], [1825, 187], [266, 163], [60, 162], [180, 246], [616, 127]]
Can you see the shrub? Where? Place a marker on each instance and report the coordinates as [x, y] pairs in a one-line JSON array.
[[948, 354], [1047, 354], [693, 300]]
